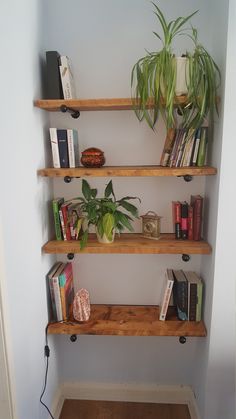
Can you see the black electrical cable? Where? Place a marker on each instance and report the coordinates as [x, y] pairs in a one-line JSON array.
[[46, 354]]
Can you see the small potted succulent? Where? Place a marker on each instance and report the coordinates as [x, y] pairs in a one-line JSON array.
[[107, 214], [154, 77]]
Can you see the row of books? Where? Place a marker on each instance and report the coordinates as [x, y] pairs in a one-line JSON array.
[[67, 218], [65, 147], [59, 77], [186, 288], [184, 148], [188, 218], [61, 289]]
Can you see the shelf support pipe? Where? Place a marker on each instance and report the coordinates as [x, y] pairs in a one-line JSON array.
[[74, 113]]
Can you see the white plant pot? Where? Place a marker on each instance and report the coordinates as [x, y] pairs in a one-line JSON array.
[[104, 238], [182, 76]]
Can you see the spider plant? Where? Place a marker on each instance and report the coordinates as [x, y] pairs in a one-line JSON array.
[[106, 213], [153, 78]]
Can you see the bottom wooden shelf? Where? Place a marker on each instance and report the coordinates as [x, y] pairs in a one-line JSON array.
[[129, 320]]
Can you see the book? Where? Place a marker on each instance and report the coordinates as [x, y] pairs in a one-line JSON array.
[[166, 294], [66, 285], [202, 152], [53, 313], [54, 147], [169, 142], [184, 220], [67, 80], [63, 212], [176, 214], [74, 219], [190, 222], [54, 286], [56, 205], [180, 294], [193, 160], [195, 288], [197, 203], [63, 147], [53, 77], [173, 155], [181, 147], [73, 147], [185, 162]]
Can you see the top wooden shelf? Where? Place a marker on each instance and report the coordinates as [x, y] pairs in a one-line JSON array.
[[112, 104]]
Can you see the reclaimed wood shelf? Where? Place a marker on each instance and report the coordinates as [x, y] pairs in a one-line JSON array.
[[103, 104], [129, 243], [129, 320], [134, 171]]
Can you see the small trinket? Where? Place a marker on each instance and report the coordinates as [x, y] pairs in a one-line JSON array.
[[92, 157], [151, 225]]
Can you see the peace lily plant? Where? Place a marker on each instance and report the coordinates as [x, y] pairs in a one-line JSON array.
[[107, 214], [153, 79]]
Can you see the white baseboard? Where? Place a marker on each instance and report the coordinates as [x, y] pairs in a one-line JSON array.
[[130, 392]]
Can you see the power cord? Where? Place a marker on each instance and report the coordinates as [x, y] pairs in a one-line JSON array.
[[46, 355]]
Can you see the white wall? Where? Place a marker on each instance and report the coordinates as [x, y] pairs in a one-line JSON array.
[[23, 203], [103, 40]]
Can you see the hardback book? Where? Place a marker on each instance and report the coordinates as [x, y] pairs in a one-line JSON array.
[[166, 294], [66, 290], [55, 149], [53, 77], [73, 147], [63, 212], [190, 222], [168, 146], [176, 214], [197, 204], [56, 291], [181, 148], [180, 294], [195, 292], [53, 313], [63, 147], [56, 205], [202, 152], [173, 155], [184, 220], [193, 160], [67, 80], [185, 162], [74, 219]]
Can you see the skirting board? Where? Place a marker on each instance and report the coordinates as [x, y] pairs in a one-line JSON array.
[[130, 392]]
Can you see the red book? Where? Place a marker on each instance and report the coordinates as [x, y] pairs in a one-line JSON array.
[[197, 204], [176, 213], [66, 285], [65, 221], [190, 222], [184, 220]]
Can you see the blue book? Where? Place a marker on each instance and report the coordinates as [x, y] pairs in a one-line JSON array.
[[63, 147], [180, 294]]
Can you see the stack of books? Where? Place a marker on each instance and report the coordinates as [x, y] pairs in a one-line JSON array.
[[67, 218], [61, 290], [65, 147], [184, 148], [188, 218], [187, 289], [59, 77]]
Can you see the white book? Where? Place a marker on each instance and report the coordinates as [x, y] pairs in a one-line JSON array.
[[73, 147], [55, 149], [67, 80], [166, 294]]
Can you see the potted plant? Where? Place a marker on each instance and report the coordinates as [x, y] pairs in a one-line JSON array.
[[106, 213], [153, 78]]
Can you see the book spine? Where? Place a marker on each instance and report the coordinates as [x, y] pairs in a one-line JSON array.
[[64, 210], [193, 160], [71, 152], [199, 302], [66, 78], [197, 217], [56, 290], [180, 291], [176, 211], [76, 147], [63, 147], [56, 204], [53, 78], [63, 227], [55, 148], [184, 220], [52, 298], [166, 299], [201, 158], [192, 303], [190, 222], [66, 290]]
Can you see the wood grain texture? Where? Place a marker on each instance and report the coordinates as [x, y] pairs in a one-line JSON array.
[[101, 104], [130, 244], [129, 320], [91, 409], [132, 171]]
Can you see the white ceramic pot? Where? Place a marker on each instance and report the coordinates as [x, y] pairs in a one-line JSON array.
[[181, 76], [104, 238]]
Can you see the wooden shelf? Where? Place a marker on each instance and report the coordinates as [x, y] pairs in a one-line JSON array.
[[135, 171], [124, 320], [130, 244], [53, 105]]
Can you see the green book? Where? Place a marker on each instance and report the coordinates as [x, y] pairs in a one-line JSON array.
[[199, 301], [56, 204], [201, 158]]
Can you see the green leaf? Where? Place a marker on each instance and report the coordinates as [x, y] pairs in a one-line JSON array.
[[84, 240], [108, 223], [123, 219], [129, 207], [109, 190], [86, 190]]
